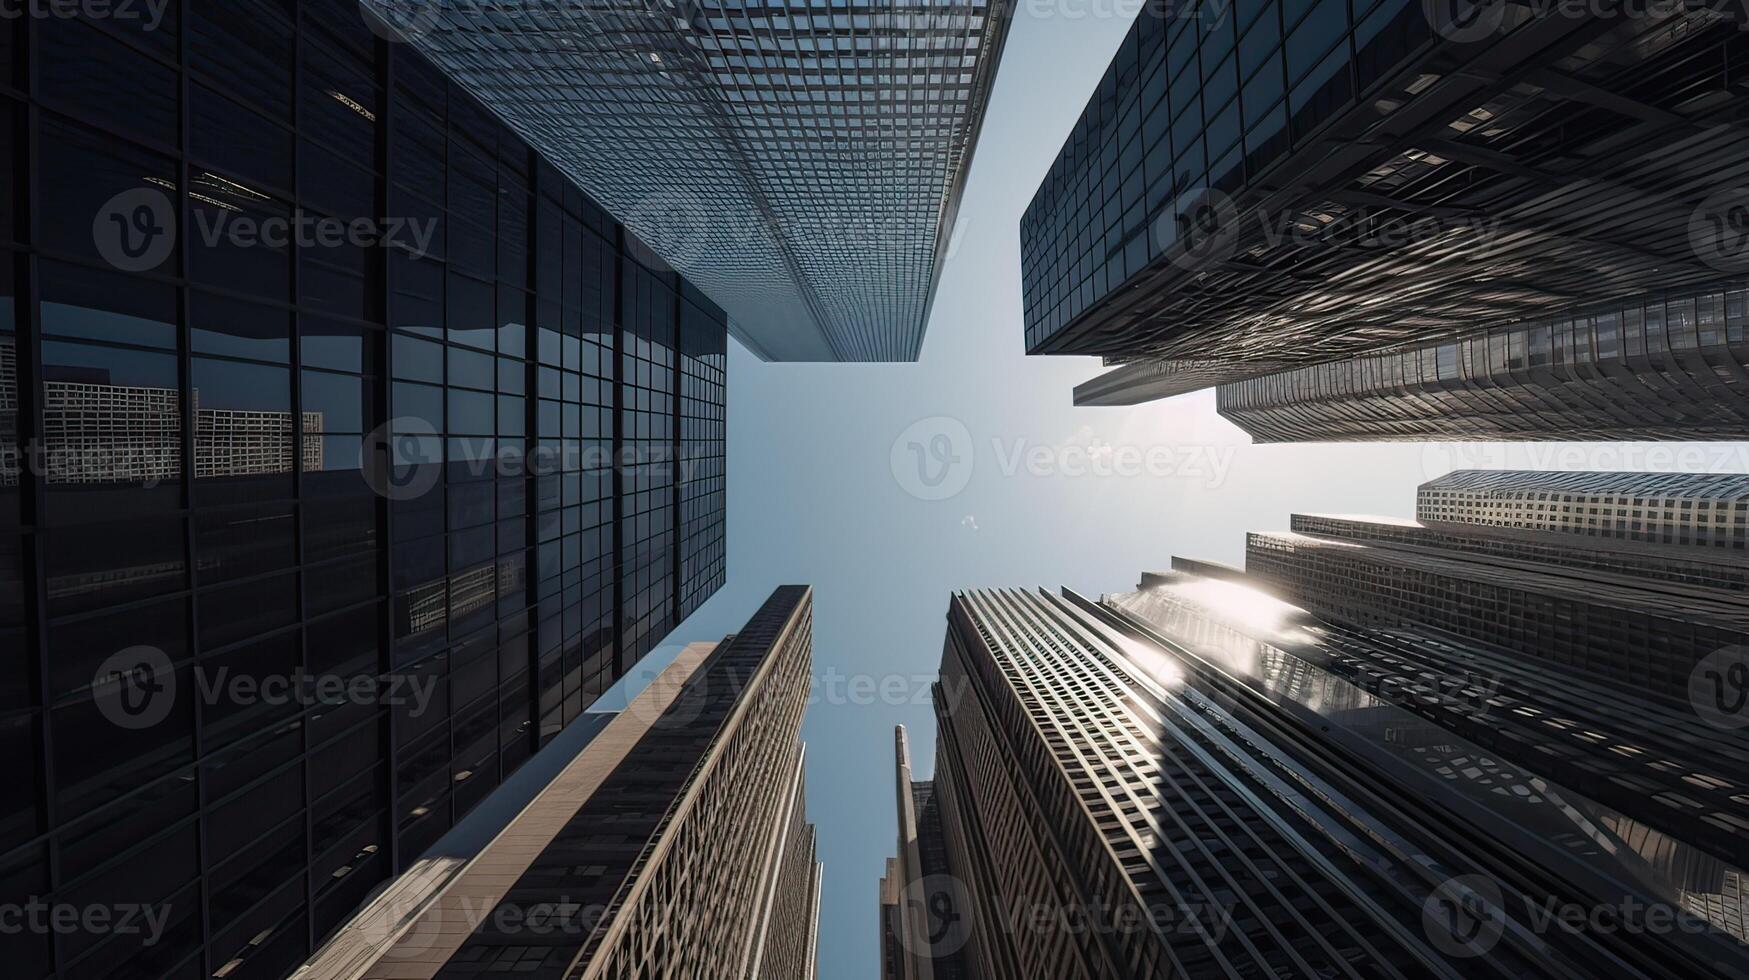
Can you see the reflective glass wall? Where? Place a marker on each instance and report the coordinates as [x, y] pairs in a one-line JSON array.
[[341, 447]]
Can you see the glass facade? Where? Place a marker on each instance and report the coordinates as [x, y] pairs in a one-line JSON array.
[[443, 458], [1199, 96], [1653, 367], [1272, 184], [803, 162]]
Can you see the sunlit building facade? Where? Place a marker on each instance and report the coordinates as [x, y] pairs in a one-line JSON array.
[[1659, 367], [803, 163], [1177, 782], [388, 464], [1689, 510], [1277, 185], [674, 846]]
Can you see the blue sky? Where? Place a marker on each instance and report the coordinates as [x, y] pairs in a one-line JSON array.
[[824, 485]]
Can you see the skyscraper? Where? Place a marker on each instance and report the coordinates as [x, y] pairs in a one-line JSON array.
[[1229, 770], [674, 846], [1658, 367], [348, 451], [1260, 187], [920, 899], [802, 163]]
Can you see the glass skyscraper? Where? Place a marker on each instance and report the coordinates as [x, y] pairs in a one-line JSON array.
[[674, 846], [1658, 367], [1227, 771], [348, 450], [802, 162], [1261, 186]]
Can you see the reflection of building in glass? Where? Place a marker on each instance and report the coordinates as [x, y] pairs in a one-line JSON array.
[[674, 846], [216, 437], [9, 462], [1186, 780], [1282, 768], [1296, 184], [803, 165], [98, 432], [1699, 509], [1660, 367]]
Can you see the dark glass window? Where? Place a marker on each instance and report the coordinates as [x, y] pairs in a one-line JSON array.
[[95, 304], [245, 48], [8, 159], [104, 80], [84, 172], [243, 430], [336, 403], [238, 141], [220, 325], [112, 430], [102, 565], [339, 346], [241, 238]]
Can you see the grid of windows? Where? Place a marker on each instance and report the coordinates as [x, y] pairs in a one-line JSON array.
[[1199, 95], [803, 162], [1689, 509], [1655, 367], [357, 461], [703, 458], [1311, 180]]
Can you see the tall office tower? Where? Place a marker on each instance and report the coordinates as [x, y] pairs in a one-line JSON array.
[[1659, 367], [1637, 594], [1688, 509], [919, 895], [1171, 783], [1272, 185], [803, 163], [674, 846], [310, 524]]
